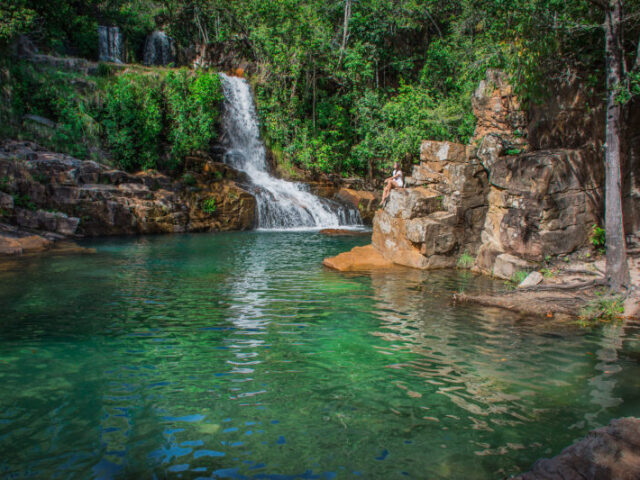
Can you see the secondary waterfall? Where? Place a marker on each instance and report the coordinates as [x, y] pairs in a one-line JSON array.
[[159, 49], [280, 204], [110, 44]]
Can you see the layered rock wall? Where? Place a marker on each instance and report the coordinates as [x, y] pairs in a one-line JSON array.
[[511, 198], [44, 192]]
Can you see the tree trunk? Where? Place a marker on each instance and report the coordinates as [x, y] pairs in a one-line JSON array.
[[345, 29], [617, 268], [313, 105]]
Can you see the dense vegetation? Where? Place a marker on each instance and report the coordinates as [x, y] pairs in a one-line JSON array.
[[342, 85], [142, 119]]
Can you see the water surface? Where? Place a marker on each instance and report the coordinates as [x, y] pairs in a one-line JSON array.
[[239, 356]]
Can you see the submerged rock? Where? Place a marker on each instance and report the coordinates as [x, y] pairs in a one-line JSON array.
[[611, 452], [337, 232], [358, 259]]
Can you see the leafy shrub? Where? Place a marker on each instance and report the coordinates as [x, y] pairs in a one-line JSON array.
[[465, 261], [133, 121], [49, 94], [598, 238], [193, 110], [24, 201], [519, 277], [188, 179], [208, 205], [604, 308]]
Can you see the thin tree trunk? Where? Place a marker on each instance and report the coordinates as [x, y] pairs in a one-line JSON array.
[[617, 268], [313, 112], [345, 29]]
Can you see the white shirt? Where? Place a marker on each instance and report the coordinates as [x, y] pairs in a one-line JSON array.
[[397, 178]]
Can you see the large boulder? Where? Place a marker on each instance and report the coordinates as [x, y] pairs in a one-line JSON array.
[[392, 237], [17, 244], [540, 204], [48, 221]]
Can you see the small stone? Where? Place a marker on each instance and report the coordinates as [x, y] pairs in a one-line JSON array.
[[507, 265], [533, 279]]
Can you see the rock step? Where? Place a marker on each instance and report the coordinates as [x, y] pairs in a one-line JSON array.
[[413, 202]]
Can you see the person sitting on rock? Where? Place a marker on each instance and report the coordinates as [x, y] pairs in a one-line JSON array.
[[394, 181]]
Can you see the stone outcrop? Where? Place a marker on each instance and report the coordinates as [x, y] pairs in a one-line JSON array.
[[439, 215], [366, 202], [540, 204], [610, 452], [358, 259], [42, 191], [499, 113], [497, 199]]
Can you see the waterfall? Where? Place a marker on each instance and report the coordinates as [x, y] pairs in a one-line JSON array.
[[280, 204], [110, 44], [159, 49]]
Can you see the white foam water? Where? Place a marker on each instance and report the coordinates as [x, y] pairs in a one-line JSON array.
[[281, 205]]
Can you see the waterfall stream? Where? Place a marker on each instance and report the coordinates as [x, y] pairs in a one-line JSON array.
[[159, 49], [110, 44], [280, 204]]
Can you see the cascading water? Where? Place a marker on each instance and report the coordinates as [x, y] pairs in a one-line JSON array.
[[110, 44], [159, 49], [280, 204]]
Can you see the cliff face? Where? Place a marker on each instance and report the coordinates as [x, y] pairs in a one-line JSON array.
[[526, 187], [56, 196]]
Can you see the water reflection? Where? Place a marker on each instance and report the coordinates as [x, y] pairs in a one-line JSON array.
[[486, 369], [239, 355]]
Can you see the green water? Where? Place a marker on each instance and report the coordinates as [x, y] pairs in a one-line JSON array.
[[240, 356]]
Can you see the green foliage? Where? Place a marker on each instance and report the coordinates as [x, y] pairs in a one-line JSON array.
[[24, 201], [603, 308], [208, 205], [193, 108], [146, 120], [465, 261], [49, 94], [598, 238], [144, 112], [188, 179], [133, 121], [71, 27], [519, 277], [15, 18]]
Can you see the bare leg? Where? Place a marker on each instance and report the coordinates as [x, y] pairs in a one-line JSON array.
[[387, 191]]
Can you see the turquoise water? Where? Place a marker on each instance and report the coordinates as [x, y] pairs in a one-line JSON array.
[[239, 356]]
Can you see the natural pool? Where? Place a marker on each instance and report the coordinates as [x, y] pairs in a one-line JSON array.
[[239, 356]]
